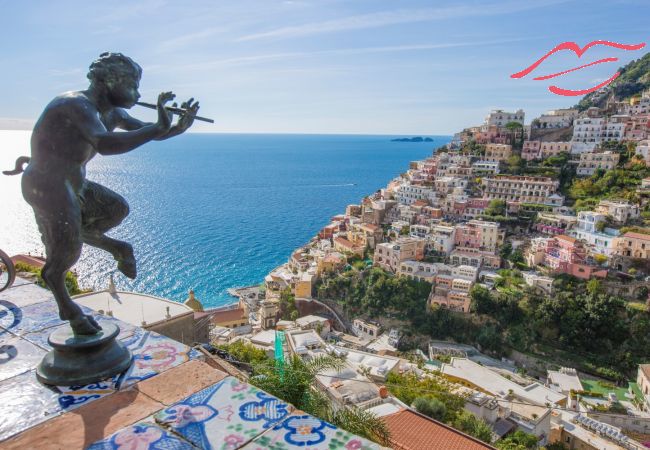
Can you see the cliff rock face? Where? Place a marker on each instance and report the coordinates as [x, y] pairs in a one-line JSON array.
[[633, 80], [552, 134]]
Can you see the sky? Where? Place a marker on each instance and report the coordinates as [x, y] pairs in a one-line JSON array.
[[318, 66]]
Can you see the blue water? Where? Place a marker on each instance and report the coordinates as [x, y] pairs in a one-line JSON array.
[[210, 212]]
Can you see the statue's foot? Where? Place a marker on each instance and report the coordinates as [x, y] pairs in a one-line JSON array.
[[128, 267], [126, 262], [85, 325]]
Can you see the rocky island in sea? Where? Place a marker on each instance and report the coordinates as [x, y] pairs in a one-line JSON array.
[[413, 139]]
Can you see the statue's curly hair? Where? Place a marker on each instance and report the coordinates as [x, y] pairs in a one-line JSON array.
[[110, 65]]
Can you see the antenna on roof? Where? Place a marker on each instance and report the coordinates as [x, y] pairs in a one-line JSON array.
[[144, 322]]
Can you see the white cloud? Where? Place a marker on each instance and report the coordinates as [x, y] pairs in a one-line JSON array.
[[395, 17]]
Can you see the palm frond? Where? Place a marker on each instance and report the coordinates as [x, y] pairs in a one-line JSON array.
[[362, 423]]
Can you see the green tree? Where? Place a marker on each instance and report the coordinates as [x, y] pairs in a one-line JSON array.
[[481, 300], [245, 352], [496, 208], [505, 250], [288, 305], [516, 131], [293, 384], [593, 286], [517, 441], [430, 406], [71, 282], [472, 425]]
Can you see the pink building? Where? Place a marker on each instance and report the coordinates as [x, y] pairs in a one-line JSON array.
[[565, 254], [467, 236], [636, 129], [531, 150]]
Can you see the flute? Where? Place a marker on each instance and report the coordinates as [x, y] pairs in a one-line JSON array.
[[174, 110]]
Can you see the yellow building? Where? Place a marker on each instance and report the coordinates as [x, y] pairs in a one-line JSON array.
[[330, 262], [497, 152], [633, 245]]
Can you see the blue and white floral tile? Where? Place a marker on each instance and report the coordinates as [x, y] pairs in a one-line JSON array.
[[17, 356], [30, 318], [24, 293], [195, 354], [305, 431], [142, 436], [152, 354], [225, 415], [72, 397], [10, 317], [24, 403]]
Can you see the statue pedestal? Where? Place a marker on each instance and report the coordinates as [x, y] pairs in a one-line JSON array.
[[77, 360]]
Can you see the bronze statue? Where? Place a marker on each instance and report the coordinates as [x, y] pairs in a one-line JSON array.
[[71, 210]]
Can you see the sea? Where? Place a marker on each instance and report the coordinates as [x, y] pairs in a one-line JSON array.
[[215, 211]]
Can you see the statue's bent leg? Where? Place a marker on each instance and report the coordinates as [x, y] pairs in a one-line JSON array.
[[103, 209], [60, 226]]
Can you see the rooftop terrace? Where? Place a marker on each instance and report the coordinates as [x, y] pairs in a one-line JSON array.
[[170, 398]]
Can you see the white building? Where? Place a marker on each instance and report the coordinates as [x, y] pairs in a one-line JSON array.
[[621, 212], [598, 242], [587, 132], [643, 149], [500, 118], [417, 270], [408, 194], [442, 239], [557, 118], [483, 167], [591, 162]]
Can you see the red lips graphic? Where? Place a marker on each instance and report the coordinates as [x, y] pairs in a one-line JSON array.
[[579, 52]]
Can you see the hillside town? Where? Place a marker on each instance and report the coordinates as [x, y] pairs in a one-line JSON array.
[[493, 295], [489, 208]]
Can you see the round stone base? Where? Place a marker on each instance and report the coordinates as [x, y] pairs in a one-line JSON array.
[[77, 360]]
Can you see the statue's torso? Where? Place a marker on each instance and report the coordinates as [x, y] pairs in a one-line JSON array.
[[61, 147]]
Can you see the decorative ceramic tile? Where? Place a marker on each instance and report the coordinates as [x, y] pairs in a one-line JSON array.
[[24, 293], [225, 415], [24, 402], [142, 436], [18, 356], [28, 319], [152, 354], [126, 329], [72, 397], [40, 337], [10, 316], [302, 431], [195, 354]]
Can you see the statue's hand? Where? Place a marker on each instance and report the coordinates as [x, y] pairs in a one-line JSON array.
[[187, 119], [164, 117]]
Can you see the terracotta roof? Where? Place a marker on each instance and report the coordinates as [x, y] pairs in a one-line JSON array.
[[633, 235], [28, 259], [369, 226], [344, 242], [412, 431], [420, 203], [336, 258], [228, 315], [564, 237]]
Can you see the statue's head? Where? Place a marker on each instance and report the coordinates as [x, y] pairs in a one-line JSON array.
[[120, 75]]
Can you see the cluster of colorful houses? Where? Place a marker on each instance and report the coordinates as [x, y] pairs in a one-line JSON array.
[[442, 222], [429, 224]]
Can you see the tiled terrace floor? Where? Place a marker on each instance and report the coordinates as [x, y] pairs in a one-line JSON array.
[[168, 399]]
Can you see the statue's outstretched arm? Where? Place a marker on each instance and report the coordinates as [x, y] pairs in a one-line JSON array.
[[126, 122], [112, 143]]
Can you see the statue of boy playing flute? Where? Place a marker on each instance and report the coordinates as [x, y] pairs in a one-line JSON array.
[[71, 210]]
